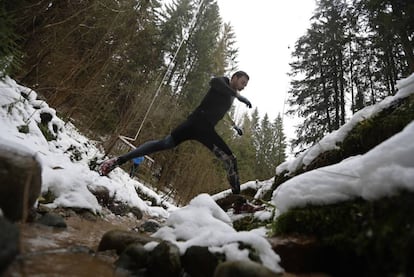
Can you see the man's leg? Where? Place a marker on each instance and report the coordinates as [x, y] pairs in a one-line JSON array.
[[230, 164], [142, 150], [217, 145], [147, 148], [183, 132]]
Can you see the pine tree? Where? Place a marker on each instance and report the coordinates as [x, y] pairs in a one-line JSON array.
[[10, 52], [279, 145]]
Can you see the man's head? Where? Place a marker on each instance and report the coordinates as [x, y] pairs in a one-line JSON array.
[[239, 80]]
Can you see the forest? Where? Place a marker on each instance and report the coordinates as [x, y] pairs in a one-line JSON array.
[[139, 67]]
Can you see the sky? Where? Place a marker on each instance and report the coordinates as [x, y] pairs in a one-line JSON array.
[[266, 32], [383, 171]]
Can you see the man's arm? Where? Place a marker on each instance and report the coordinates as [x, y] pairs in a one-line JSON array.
[[233, 124], [244, 100], [221, 84]]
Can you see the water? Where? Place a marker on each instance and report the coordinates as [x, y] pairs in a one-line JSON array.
[[50, 252]]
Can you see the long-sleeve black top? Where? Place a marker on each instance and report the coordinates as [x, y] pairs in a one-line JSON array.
[[217, 102]]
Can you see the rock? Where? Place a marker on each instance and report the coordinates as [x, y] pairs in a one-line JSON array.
[[164, 260], [137, 212], [52, 220], [150, 226], [20, 180], [300, 254], [87, 214], [199, 262], [45, 118], [9, 243], [227, 202], [102, 194], [243, 269], [120, 239], [133, 258], [119, 208]]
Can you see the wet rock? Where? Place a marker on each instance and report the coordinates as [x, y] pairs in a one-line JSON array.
[[227, 202], [45, 118], [150, 226], [133, 258], [243, 269], [9, 243], [199, 262], [52, 220], [102, 194], [120, 239], [300, 254], [80, 249], [137, 212], [20, 180], [164, 260], [119, 208], [88, 215]]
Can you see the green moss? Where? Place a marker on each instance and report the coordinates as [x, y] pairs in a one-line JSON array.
[[376, 231], [249, 222], [75, 153], [373, 131], [46, 132], [23, 129], [363, 137], [47, 197]]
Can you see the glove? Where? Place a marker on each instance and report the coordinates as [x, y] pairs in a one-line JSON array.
[[238, 130], [245, 101]]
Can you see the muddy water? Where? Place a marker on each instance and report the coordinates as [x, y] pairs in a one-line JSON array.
[[47, 251], [71, 252]]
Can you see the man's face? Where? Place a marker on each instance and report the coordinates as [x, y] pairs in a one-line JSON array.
[[238, 84]]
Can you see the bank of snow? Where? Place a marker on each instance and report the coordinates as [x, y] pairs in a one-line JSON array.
[[383, 171], [63, 174]]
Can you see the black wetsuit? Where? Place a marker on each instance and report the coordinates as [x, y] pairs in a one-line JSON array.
[[199, 126]]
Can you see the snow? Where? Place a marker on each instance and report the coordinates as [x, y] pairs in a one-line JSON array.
[[383, 171], [202, 222]]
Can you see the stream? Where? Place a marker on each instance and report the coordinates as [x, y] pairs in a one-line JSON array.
[[47, 251], [71, 252]]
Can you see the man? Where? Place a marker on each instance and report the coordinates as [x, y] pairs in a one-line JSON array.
[[199, 126]]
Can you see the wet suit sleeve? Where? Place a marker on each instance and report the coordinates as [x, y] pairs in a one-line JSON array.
[[221, 84]]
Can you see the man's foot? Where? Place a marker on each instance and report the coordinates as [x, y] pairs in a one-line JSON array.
[[107, 166], [246, 208]]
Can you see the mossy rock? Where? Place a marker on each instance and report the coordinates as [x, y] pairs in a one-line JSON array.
[[370, 132], [249, 222], [49, 136], [47, 197], [363, 137], [23, 129], [377, 236]]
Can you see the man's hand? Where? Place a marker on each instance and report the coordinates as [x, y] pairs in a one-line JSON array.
[[238, 130], [245, 101]]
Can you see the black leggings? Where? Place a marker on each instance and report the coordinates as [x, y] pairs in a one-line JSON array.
[[192, 129]]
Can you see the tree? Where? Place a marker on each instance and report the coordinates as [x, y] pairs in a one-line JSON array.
[[270, 147], [279, 146], [10, 53], [355, 48]]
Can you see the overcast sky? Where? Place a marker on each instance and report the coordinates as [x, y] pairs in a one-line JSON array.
[[266, 32]]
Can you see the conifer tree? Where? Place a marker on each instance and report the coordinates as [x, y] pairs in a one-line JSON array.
[[279, 145], [10, 54]]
